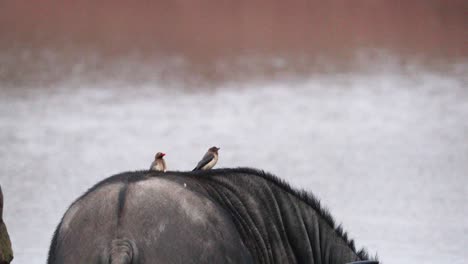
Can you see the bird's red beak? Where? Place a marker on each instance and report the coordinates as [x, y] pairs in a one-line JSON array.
[[163, 154]]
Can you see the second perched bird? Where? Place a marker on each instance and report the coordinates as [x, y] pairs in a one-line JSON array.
[[159, 164], [209, 160]]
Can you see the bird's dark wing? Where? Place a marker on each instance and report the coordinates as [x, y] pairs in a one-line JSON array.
[[152, 164], [207, 158]]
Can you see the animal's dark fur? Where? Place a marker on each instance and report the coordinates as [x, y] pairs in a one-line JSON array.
[[303, 195], [121, 202]]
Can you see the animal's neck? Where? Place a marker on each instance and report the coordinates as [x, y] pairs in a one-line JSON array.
[[310, 231], [280, 226]]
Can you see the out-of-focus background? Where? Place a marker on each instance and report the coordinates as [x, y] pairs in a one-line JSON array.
[[364, 103]]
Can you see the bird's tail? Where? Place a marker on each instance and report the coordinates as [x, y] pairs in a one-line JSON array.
[[123, 251]]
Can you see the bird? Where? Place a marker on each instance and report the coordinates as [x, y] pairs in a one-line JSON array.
[[209, 160], [158, 164]]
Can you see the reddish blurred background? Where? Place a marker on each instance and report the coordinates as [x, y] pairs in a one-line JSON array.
[[204, 31]]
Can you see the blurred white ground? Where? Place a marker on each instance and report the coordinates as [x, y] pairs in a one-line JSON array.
[[387, 152]]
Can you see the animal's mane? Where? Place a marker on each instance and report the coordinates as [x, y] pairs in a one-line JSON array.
[[303, 195]]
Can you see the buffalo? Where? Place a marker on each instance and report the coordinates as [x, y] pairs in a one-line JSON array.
[[238, 215]]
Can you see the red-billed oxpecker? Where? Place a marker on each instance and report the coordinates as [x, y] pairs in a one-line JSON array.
[[159, 164], [209, 160]]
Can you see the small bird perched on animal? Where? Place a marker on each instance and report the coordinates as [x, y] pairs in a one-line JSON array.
[[209, 160], [159, 164]]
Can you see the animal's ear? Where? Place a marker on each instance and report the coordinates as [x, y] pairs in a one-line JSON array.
[[364, 262]]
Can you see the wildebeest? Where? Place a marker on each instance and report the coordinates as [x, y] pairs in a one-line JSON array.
[[217, 216]]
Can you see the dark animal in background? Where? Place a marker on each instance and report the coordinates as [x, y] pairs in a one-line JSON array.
[[222, 216], [6, 254], [209, 160], [159, 164]]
